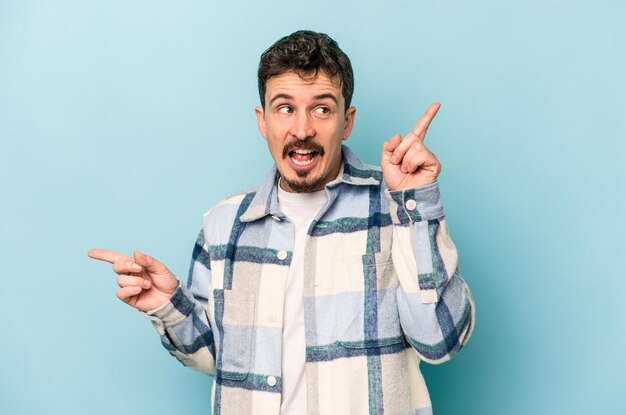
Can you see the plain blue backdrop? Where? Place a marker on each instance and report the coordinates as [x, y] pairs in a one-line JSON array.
[[122, 122]]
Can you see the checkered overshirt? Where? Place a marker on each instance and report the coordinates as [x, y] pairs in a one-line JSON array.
[[382, 292]]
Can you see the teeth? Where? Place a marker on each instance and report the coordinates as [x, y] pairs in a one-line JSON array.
[[301, 163], [302, 152]]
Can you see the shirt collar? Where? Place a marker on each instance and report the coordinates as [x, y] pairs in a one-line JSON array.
[[353, 172]]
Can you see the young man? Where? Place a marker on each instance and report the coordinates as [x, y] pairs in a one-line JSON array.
[[321, 289]]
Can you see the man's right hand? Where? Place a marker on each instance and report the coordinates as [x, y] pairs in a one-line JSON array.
[[144, 282]]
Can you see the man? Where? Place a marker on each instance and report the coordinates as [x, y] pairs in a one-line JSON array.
[[319, 290]]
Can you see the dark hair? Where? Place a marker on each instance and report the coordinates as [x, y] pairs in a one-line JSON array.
[[306, 53]]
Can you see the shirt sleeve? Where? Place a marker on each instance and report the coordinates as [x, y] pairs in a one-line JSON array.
[[434, 302], [182, 322]]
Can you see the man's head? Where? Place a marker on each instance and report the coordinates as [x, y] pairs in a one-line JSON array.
[[307, 53], [305, 85]]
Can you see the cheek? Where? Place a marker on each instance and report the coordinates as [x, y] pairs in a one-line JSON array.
[[276, 148], [335, 139]]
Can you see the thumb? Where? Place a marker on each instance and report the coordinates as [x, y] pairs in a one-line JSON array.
[[388, 147], [150, 264]]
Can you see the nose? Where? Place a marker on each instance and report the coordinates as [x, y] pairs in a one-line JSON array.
[[302, 127]]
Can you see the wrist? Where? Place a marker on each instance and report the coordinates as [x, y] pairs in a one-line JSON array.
[[414, 205]]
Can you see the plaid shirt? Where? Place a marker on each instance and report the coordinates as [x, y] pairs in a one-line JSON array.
[[382, 291]]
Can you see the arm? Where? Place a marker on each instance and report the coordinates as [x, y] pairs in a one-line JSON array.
[[177, 312], [434, 304], [182, 322]]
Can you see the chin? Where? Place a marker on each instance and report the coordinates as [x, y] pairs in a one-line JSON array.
[[302, 185]]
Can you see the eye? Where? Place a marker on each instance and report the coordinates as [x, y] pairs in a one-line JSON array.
[[322, 110], [285, 109]]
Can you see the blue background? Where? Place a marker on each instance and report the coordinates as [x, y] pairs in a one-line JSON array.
[[121, 122]]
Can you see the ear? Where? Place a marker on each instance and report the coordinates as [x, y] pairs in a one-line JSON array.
[[349, 122], [260, 119]]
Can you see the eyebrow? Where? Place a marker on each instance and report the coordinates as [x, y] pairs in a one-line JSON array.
[[317, 97], [324, 96], [279, 96]]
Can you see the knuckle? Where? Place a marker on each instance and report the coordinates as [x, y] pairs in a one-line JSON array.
[[400, 151], [118, 266], [410, 156]]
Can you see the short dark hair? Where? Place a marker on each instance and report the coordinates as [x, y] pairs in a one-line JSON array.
[[306, 53]]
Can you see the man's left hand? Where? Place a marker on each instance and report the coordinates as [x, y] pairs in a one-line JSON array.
[[407, 163]]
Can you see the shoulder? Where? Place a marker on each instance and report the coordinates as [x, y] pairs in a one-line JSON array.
[[358, 172], [219, 220], [230, 204], [244, 205]]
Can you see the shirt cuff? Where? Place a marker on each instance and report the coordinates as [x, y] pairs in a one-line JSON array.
[[176, 309], [414, 205]]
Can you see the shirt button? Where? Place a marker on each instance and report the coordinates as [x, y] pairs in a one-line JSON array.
[[410, 204], [282, 255], [272, 318], [276, 218], [271, 380]]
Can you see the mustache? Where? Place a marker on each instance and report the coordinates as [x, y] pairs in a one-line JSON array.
[[302, 145]]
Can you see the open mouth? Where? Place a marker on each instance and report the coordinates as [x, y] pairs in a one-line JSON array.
[[303, 159]]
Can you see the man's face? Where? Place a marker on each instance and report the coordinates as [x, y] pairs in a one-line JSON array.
[[304, 123]]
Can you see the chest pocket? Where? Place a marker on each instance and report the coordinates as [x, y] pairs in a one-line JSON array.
[[233, 314], [366, 306]]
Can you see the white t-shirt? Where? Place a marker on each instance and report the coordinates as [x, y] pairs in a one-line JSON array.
[[301, 209]]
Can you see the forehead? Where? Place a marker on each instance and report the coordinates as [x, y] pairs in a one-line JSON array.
[[292, 84]]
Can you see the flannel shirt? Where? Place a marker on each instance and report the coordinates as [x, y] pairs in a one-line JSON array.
[[382, 292]]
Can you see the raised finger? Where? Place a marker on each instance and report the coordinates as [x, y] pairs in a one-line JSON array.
[[106, 255], [126, 293], [126, 266], [131, 280], [420, 127]]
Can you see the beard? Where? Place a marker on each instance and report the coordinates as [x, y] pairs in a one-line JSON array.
[[305, 184]]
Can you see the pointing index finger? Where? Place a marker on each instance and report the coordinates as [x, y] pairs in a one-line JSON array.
[[106, 255], [419, 130]]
